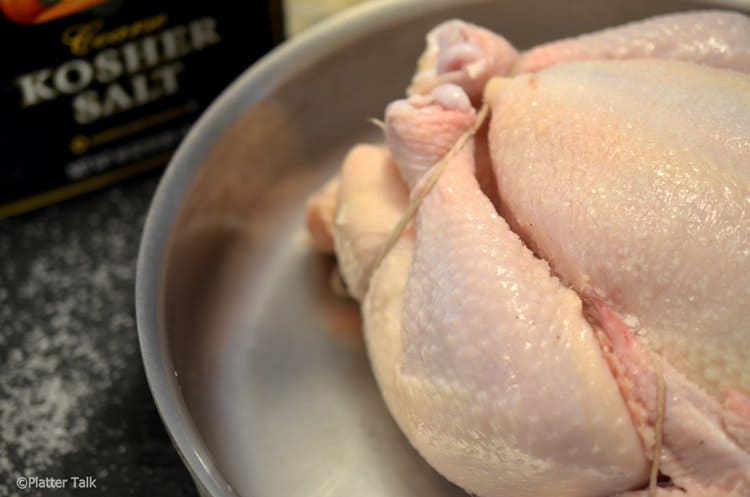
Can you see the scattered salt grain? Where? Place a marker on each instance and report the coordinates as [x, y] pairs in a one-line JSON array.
[[67, 331]]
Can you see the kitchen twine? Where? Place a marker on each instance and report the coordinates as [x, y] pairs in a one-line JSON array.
[[436, 171], [659, 427]]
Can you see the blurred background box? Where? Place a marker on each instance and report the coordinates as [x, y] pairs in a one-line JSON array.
[[301, 14]]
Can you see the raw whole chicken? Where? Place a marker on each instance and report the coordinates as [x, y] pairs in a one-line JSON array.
[[572, 298]]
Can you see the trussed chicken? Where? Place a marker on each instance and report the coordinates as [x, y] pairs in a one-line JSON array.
[[573, 295]]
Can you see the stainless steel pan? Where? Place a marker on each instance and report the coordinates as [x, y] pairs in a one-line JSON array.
[[259, 372]]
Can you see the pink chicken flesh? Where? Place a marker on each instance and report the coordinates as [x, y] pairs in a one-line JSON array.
[[575, 289]]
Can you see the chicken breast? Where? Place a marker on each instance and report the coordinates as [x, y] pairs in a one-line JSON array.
[[633, 180], [641, 203]]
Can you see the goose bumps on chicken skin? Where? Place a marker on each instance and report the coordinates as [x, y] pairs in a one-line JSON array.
[[568, 312]]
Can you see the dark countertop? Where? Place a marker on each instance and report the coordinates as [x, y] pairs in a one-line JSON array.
[[73, 396]]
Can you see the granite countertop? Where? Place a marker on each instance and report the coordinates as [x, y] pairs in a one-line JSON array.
[[73, 396], [74, 401]]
